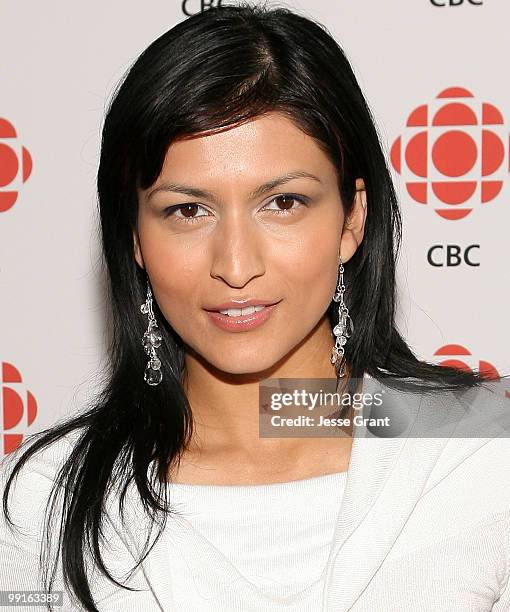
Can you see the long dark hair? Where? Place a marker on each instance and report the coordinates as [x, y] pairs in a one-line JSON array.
[[219, 67]]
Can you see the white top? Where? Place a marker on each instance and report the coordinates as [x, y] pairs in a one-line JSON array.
[[275, 537]]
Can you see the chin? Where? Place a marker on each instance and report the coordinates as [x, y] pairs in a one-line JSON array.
[[247, 367], [237, 364]]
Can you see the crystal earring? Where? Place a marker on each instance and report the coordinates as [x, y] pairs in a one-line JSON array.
[[151, 341], [343, 329]]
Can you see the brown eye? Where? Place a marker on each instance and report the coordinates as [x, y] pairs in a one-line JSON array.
[[189, 210], [286, 204], [287, 201], [186, 212]]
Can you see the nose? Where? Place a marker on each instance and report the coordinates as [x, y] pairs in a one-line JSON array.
[[237, 256]]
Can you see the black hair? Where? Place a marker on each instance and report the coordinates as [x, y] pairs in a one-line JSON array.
[[218, 68]]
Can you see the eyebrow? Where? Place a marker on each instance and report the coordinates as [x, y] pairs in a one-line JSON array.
[[196, 192]]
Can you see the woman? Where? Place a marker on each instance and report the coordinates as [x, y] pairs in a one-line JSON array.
[[240, 168]]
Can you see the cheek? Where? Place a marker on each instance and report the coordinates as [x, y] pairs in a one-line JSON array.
[[175, 274], [166, 257], [173, 289], [312, 273]]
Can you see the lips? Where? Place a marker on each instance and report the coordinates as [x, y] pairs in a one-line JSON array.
[[240, 323], [239, 303], [244, 311]]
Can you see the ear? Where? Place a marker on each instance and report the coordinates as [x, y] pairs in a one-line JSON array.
[[137, 250], [354, 225]]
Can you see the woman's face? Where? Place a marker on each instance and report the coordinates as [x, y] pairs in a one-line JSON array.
[[231, 243]]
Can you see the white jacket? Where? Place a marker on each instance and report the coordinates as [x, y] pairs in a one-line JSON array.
[[424, 524]]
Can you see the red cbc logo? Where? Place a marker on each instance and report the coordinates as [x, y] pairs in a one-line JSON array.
[[456, 356], [19, 407], [15, 165], [453, 153]]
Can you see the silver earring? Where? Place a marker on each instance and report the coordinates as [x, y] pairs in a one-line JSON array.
[[343, 329], [151, 341]]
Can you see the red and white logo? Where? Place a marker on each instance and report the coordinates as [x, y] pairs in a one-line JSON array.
[[458, 356], [453, 154], [19, 408], [15, 165]]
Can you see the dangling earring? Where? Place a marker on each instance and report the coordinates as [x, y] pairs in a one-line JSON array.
[[343, 329], [151, 341]]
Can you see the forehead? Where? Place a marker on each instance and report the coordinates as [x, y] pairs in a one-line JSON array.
[[264, 145]]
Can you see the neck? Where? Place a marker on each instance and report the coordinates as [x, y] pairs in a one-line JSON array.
[[225, 406]]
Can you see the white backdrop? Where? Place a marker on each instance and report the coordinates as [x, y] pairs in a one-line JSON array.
[[59, 64]]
